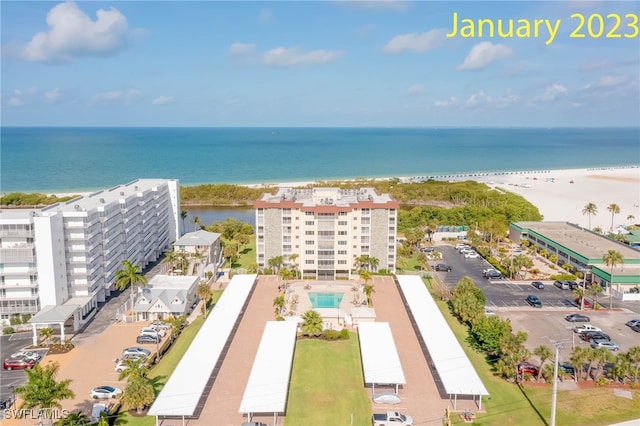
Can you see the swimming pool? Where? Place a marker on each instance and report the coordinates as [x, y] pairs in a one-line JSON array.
[[325, 300]]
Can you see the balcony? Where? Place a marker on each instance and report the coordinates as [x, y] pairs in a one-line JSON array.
[[17, 255], [5, 233]]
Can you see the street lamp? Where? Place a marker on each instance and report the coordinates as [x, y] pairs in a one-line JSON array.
[[13, 396]]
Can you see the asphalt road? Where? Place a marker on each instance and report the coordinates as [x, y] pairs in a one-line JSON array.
[[8, 379], [505, 293]]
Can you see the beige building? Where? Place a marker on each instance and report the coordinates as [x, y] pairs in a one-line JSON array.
[[328, 228]]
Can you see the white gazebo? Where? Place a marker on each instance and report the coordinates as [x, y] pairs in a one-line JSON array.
[[55, 314]]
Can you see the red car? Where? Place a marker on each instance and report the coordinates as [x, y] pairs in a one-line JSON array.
[[528, 368], [586, 303], [18, 363]]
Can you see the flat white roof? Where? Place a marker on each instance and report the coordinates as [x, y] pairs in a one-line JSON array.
[[181, 394], [454, 368], [268, 383], [380, 360]]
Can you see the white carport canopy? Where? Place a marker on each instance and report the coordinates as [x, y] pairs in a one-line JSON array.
[[181, 394], [380, 360], [454, 368], [268, 384]]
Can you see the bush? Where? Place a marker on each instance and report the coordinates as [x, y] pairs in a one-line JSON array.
[[8, 330], [335, 335], [563, 277], [601, 381]]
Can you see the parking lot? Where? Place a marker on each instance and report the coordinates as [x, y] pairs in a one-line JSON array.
[[546, 325], [10, 379]]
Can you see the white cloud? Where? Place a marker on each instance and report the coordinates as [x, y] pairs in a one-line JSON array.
[[162, 100], [125, 96], [239, 49], [552, 93], [366, 30], [506, 100], [446, 102], [415, 42], [394, 5], [52, 95], [21, 96], [478, 98], [607, 81], [417, 89], [289, 57], [265, 16], [73, 34], [15, 101], [482, 54]]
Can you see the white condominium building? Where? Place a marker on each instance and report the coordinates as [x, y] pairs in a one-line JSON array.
[[327, 228], [68, 253]]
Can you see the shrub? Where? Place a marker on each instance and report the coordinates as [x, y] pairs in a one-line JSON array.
[[563, 277], [601, 381], [345, 334], [8, 330], [335, 335]]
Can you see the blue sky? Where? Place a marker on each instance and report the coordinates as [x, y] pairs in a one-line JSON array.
[[325, 63]]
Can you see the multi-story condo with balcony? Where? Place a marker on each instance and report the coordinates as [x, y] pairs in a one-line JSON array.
[[327, 228], [68, 253]]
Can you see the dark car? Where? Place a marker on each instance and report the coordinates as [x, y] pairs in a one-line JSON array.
[[577, 318], [636, 328], [442, 267], [538, 284], [572, 285], [528, 368], [589, 336], [146, 338], [19, 363], [567, 369], [533, 300], [632, 322]]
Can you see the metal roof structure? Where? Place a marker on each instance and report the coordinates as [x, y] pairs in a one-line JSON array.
[[456, 372], [380, 360], [268, 384], [198, 238], [184, 389]]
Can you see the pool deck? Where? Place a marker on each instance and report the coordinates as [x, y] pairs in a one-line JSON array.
[[297, 299]]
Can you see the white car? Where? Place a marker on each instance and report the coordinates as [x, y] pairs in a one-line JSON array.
[[152, 332], [27, 355], [488, 312], [135, 351], [471, 255], [586, 327], [105, 392]]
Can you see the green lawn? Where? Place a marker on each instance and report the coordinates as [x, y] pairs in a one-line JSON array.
[[327, 386], [248, 255], [163, 370]]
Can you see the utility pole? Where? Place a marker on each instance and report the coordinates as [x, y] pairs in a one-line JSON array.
[[552, 422]]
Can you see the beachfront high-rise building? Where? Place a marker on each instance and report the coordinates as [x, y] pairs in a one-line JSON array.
[[68, 253], [327, 228]]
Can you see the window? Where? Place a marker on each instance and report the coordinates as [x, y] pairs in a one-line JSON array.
[[309, 242], [366, 212], [342, 243], [342, 252], [286, 211], [309, 233], [286, 248], [364, 249], [308, 213], [309, 252], [342, 213], [309, 222], [342, 223], [392, 229], [365, 220], [364, 229], [342, 262], [342, 232], [309, 262], [286, 239]]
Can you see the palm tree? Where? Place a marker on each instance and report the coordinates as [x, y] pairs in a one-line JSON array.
[[373, 263], [630, 218], [170, 257], [590, 209], [612, 259], [367, 290], [422, 260], [595, 291], [138, 394], [361, 262], [579, 293], [278, 304], [198, 256], [204, 293], [578, 359], [311, 323], [544, 353], [633, 354], [41, 390], [136, 369], [614, 209], [183, 215], [602, 356], [46, 333], [196, 222], [293, 258], [129, 275], [76, 418]]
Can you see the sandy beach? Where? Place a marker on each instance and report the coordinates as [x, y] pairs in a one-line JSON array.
[[559, 194]]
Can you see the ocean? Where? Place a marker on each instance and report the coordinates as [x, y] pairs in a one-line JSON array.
[[83, 159]]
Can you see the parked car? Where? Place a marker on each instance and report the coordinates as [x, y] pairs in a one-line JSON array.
[[636, 328], [105, 392], [427, 249], [593, 335], [160, 325], [585, 327], [488, 312], [28, 355], [153, 332], [538, 284], [471, 255], [460, 246], [254, 424], [391, 418], [567, 369], [492, 274], [442, 267], [533, 300], [562, 285], [577, 318], [632, 322], [19, 363], [136, 351], [146, 338], [387, 398], [528, 368], [572, 285], [599, 343], [586, 303]]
